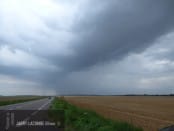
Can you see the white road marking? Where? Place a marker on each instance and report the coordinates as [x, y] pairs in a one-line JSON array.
[[44, 105], [34, 113]]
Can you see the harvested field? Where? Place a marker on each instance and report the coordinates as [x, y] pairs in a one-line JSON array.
[[149, 112]]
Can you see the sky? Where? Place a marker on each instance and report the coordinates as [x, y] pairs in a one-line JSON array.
[[55, 47]]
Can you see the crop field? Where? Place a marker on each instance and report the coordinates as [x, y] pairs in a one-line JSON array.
[[149, 112], [78, 119]]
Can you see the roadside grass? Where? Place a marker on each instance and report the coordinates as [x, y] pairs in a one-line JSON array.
[[8, 101], [78, 119]]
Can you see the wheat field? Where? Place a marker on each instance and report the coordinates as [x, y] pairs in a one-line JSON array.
[[149, 112]]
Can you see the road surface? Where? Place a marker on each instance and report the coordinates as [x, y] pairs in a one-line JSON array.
[[32, 114], [41, 104]]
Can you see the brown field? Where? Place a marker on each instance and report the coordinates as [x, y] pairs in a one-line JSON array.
[[149, 112]]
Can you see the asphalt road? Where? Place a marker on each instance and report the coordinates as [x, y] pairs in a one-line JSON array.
[[33, 114], [41, 104]]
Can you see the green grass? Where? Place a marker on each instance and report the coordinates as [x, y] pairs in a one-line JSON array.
[[17, 100], [77, 119]]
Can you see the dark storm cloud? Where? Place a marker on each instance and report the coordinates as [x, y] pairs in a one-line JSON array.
[[118, 28], [9, 71], [19, 73], [73, 50]]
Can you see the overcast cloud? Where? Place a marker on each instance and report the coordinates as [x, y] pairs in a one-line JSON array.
[[86, 47]]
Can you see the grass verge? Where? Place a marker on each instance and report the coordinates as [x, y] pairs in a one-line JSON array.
[[77, 119]]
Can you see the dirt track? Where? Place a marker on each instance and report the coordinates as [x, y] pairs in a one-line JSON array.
[[149, 112]]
